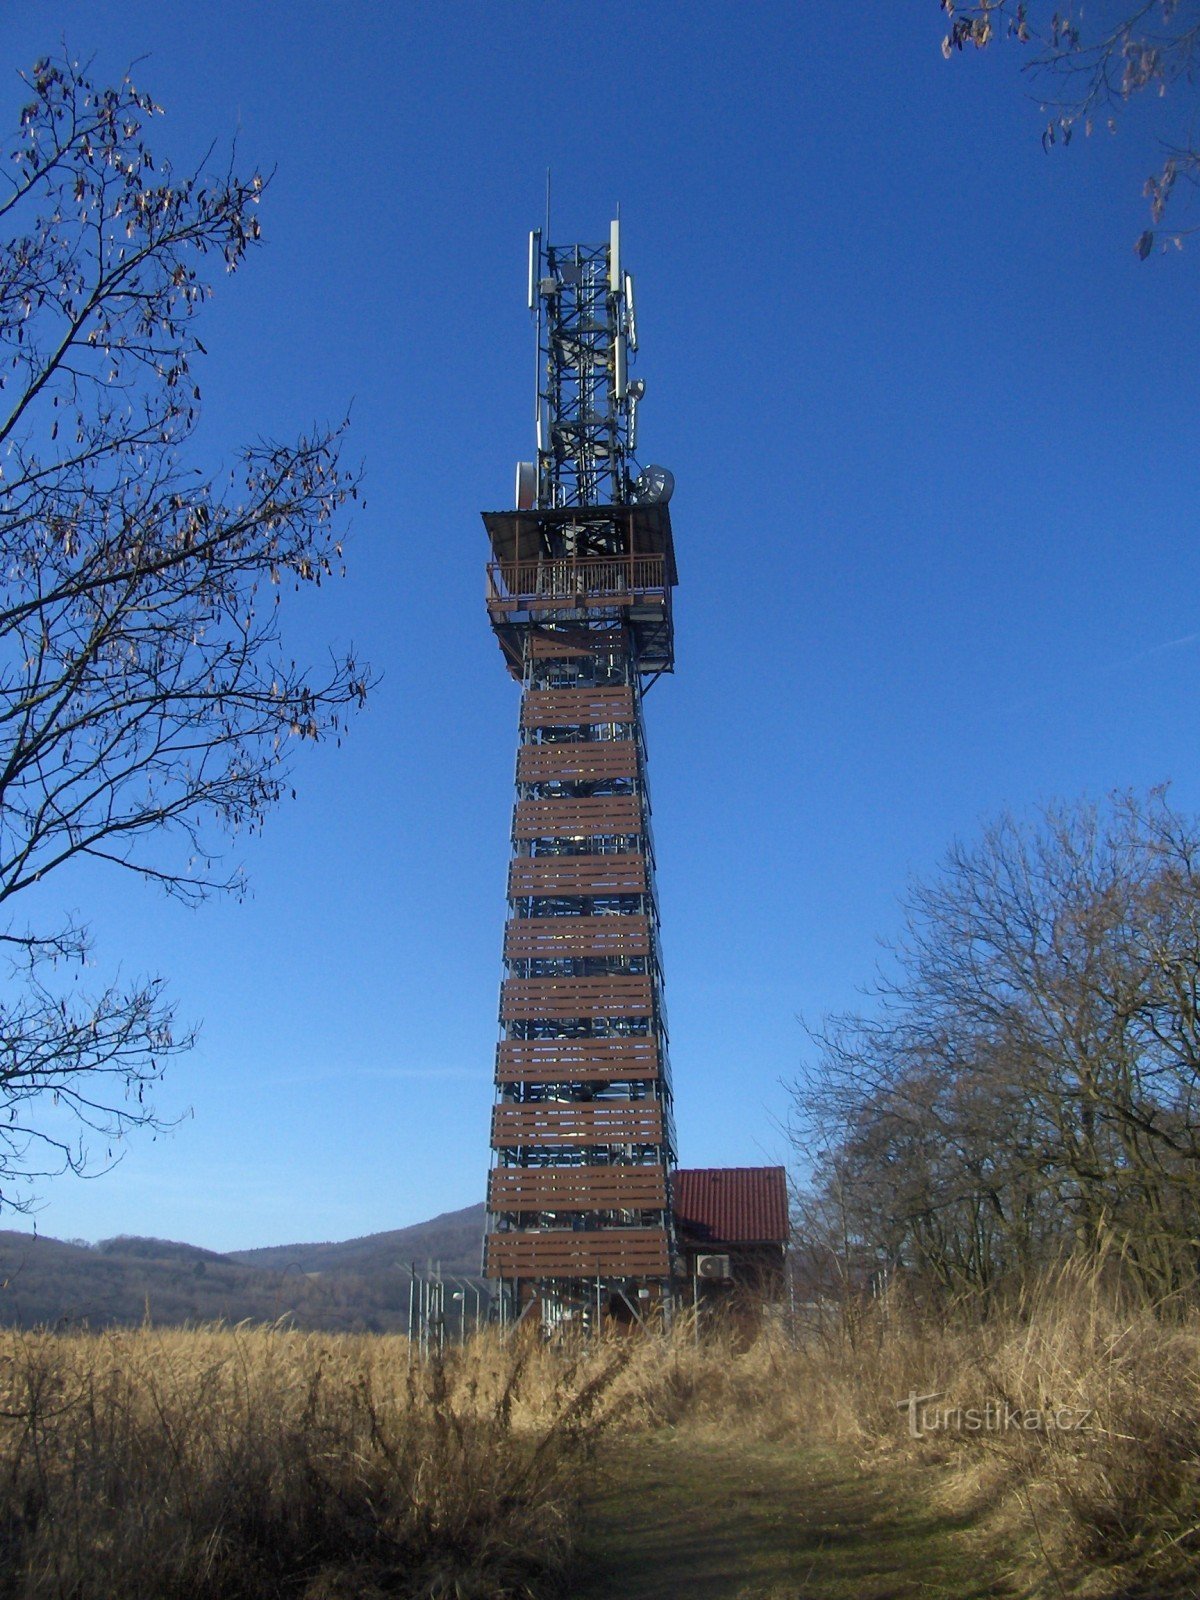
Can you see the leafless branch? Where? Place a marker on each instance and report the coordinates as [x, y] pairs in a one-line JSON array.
[[148, 706]]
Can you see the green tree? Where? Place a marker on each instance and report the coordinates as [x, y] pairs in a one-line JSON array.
[[147, 706]]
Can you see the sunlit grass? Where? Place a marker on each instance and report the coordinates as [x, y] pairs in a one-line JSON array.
[[234, 1462]]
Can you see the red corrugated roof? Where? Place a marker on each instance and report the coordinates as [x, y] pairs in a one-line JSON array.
[[732, 1205]]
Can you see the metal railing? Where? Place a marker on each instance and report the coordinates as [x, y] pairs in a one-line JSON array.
[[564, 579]]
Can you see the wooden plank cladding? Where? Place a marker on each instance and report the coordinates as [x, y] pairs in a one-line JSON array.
[[587, 761], [615, 994], [564, 1253], [623, 1060], [567, 875], [570, 605], [578, 819], [561, 708], [586, 1122], [616, 1188], [561, 644], [568, 938]]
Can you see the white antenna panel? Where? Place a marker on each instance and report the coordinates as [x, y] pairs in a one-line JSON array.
[[620, 377], [630, 319], [535, 261], [614, 257]]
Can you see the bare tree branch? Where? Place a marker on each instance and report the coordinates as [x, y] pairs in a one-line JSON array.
[[1096, 59], [147, 704], [1029, 1078]]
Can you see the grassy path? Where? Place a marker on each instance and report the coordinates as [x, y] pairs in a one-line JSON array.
[[674, 1517]]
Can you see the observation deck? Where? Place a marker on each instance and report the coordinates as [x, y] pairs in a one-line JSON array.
[[583, 565]]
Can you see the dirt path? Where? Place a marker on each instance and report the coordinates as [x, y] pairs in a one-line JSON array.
[[679, 1518]]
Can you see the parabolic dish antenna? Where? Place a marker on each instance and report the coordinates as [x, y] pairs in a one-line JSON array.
[[653, 486]]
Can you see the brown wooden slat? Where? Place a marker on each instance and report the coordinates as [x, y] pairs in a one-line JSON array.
[[613, 994], [622, 1060], [562, 708], [591, 761], [568, 643], [615, 1188], [563, 1253], [555, 938], [567, 875], [552, 607], [585, 818], [589, 1123], [545, 646]]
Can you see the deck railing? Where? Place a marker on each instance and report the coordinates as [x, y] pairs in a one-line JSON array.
[[564, 579]]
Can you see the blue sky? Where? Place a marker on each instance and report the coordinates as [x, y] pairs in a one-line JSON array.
[[934, 433]]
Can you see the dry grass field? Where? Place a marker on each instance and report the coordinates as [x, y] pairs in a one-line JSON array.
[[239, 1462], [257, 1462]]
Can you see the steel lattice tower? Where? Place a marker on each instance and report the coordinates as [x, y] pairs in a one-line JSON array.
[[579, 595]]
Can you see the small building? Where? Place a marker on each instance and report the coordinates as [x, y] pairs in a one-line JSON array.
[[731, 1226]]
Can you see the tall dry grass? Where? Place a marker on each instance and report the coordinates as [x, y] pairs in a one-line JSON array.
[[218, 1464], [1068, 1420], [1093, 1447]]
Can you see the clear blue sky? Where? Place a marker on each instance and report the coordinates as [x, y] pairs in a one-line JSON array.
[[934, 430]]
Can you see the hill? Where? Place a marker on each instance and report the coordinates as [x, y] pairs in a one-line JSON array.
[[454, 1238], [361, 1285]]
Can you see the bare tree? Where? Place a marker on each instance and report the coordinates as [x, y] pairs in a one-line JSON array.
[[1029, 1078], [147, 706], [1092, 61]]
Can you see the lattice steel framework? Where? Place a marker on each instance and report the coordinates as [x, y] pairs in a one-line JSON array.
[[586, 407], [579, 594]]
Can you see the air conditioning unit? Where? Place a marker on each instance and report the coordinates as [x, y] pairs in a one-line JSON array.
[[713, 1267]]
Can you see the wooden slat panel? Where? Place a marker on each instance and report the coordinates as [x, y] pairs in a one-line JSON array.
[[618, 1188], [592, 1122], [601, 604], [578, 818], [562, 708], [549, 875], [613, 994], [591, 761], [569, 938], [566, 643], [563, 1253], [577, 1060]]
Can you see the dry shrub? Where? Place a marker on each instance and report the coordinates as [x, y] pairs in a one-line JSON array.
[[255, 1462]]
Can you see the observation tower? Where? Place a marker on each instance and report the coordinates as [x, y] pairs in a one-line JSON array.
[[579, 596]]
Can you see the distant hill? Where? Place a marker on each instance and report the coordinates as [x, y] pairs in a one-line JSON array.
[[360, 1285], [455, 1239], [127, 1244]]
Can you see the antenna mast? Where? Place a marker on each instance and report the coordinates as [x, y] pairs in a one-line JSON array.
[[586, 405]]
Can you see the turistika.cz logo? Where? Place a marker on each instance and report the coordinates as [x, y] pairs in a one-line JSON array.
[[925, 1416]]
